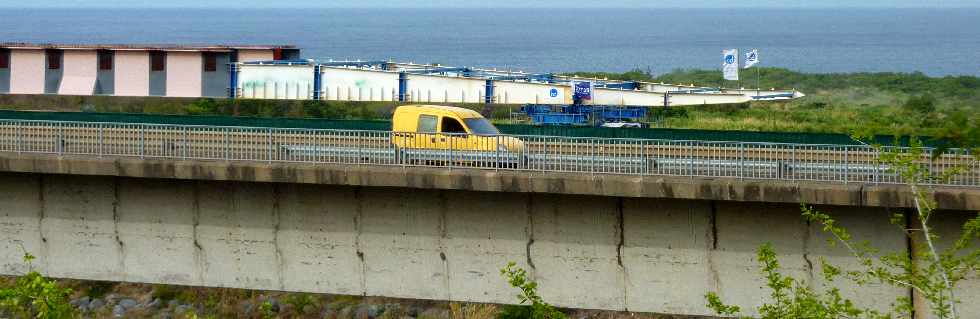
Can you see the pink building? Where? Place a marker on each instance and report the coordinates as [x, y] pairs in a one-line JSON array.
[[127, 70]]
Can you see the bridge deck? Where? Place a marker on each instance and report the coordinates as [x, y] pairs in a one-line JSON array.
[[632, 157]]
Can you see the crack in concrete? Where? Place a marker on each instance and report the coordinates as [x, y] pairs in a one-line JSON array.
[[530, 230], [115, 228], [277, 214], [712, 235], [621, 230], [358, 198], [199, 254], [40, 220], [806, 254], [443, 235]]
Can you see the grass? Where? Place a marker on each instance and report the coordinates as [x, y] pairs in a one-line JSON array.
[[880, 103]]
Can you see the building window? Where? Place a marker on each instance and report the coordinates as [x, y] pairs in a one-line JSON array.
[[105, 60], [210, 62], [4, 59], [158, 60], [54, 59]]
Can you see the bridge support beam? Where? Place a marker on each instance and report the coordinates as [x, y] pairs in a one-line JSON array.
[[638, 254]]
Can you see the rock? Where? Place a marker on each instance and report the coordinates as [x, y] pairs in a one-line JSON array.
[[112, 298], [128, 303], [173, 303], [368, 311], [434, 313], [345, 313], [155, 304], [309, 309], [181, 309], [96, 304], [246, 308], [80, 302], [118, 311]]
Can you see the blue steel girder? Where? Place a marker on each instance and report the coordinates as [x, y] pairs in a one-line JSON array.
[[352, 63], [544, 77], [439, 69], [629, 85]]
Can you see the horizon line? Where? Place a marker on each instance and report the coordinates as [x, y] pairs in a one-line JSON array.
[[481, 7]]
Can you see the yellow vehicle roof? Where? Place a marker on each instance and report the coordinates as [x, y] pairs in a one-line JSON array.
[[458, 111]]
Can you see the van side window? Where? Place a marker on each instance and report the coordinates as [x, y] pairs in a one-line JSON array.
[[451, 125], [427, 124]]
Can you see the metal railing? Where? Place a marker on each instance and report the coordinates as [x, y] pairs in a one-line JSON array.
[[643, 157]]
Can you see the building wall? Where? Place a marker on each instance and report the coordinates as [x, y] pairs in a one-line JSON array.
[[52, 77], [646, 255], [105, 83], [215, 83], [5, 73], [509, 92], [131, 71], [79, 72], [27, 69], [158, 79], [627, 97], [184, 74], [359, 85], [254, 55], [276, 81], [437, 89]]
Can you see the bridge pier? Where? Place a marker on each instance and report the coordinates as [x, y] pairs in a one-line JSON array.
[[639, 254]]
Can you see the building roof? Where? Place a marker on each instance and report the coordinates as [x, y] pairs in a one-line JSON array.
[[142, 47]]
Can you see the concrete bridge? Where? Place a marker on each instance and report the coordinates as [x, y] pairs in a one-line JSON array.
[[641, 242]]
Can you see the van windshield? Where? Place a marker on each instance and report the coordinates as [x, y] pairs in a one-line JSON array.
[[480, 126]]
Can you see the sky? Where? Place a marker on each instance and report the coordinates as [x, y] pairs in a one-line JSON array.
[[491, 3]]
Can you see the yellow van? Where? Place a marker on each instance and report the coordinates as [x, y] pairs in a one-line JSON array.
[[448, 128]]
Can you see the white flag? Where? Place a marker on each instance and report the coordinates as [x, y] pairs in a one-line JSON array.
[[751, 58], [730, 68]]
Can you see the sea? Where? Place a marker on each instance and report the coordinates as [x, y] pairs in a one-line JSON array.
[[937, 42]]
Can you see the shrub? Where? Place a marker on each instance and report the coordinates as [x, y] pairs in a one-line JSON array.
[[34, 296]]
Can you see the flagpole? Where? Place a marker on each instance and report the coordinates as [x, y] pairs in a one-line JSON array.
[[758, 81]]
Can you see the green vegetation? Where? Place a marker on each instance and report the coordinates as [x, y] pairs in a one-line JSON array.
[[34, 296], [538, 309], [931, 272], [893, 103]]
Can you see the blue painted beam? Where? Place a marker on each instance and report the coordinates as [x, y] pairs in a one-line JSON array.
[[317, 81], [402, 86], [631, 85], [440, 69], [489, 94], [232, 81]]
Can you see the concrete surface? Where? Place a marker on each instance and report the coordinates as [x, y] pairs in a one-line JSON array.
[[720, 189], [619, 253]]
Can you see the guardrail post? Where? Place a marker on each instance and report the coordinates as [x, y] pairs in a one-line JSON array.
[[741, 162], [183, 147], [101, 139], [847, 166], [227, 144], [142, 142], [271, 147], [20, 138], [496, 147], [690, 164], [61, 139], [592, 157]]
